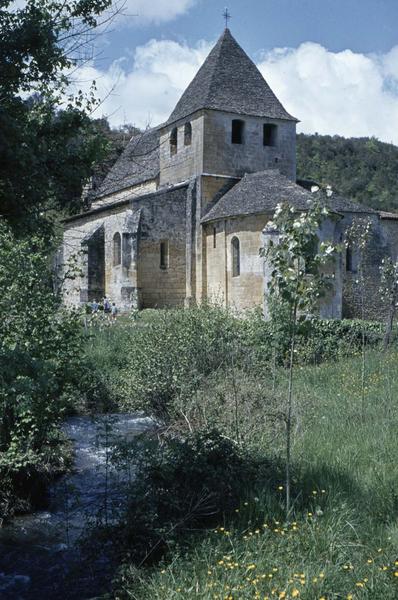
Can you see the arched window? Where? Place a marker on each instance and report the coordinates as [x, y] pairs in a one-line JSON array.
[[237, 134], [173, 141], [187, 134], [270, 132], [117, 249], [235, 257]]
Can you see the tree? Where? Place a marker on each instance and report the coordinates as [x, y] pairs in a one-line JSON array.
[[298, 282], [363, 169], [48, 144], [41, 350]]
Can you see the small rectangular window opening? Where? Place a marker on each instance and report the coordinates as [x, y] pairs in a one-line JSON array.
[[164, 255], [270, 134], [214, 237], [349, 260], [237, 131], [173, 141]]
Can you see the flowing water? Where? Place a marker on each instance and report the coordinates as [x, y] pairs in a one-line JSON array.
[[40, 554]]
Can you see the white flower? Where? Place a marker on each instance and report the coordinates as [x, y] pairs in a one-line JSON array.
[[314, 189]]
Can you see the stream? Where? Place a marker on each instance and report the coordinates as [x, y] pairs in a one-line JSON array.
[[40, 557]]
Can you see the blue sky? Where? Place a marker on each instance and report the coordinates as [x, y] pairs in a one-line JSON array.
[[360, 25], [333, 63]]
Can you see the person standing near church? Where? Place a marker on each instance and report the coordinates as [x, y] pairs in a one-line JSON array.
[[107, 306]]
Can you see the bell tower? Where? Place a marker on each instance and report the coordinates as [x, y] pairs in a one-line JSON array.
[[228, 122]]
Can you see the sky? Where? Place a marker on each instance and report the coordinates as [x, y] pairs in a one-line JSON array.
[[332, 63]]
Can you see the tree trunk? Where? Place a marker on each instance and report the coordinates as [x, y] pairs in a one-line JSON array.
[[390, 322]]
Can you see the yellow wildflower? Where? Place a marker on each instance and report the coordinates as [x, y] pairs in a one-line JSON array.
[[295, 593]]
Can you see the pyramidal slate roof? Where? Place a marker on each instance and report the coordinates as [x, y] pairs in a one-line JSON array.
[[261, 193], [139, 162], [229, 81]]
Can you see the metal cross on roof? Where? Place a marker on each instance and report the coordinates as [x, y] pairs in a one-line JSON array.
[[227, 16]]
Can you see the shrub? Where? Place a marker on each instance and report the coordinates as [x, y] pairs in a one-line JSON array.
[[159, 361], [40, 352], [170, 355], [183, 484]]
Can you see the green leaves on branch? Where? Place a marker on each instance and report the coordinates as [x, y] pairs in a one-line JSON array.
[[300, 277], [48, 144]]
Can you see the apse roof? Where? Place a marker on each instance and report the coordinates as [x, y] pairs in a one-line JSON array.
[[261, 193]]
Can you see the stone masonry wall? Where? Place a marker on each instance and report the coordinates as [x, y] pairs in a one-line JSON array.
[[139, 277], [244, 291], [383, 241], [75, 291], [163, 219], [224, 158], [188, 160]]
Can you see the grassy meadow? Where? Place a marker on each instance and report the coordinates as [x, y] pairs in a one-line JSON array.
[[340, 540]]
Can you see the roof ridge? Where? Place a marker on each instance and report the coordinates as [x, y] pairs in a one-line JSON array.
[[222, 40], [216, 51]]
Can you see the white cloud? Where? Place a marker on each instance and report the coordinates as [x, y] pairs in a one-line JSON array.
[[344, 93], [154, 11], [146, 91]]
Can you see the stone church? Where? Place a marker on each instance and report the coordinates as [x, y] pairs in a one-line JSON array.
[[180, 217]]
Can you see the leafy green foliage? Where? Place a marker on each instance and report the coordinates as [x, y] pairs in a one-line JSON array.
[[298, 259], [116, 140], [298, 281], [47, 146], [182, 484], [362, 169], [158, 362], [169, 356], [40, 355]]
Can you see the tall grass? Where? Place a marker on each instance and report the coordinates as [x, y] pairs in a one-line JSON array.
[[342, 542]]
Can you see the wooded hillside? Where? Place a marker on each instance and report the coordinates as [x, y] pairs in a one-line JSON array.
[[362, 169]]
